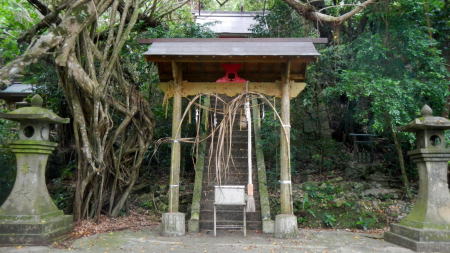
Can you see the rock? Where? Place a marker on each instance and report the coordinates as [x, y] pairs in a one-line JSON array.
[[380, 192], [379, 178]]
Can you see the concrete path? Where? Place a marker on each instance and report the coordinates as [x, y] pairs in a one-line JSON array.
[[149, 241]]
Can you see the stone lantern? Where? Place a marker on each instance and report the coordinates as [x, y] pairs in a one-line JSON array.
[[427, 227], [29, 216]]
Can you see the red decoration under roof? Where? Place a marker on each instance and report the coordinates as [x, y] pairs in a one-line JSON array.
[[231, 75]]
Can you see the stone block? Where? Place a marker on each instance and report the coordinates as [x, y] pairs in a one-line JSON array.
[[268, 226], [173, 224], [286, 226], [43, 232], [421, 240], [194, 226]]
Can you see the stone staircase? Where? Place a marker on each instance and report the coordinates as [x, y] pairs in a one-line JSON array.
[[237, 175]]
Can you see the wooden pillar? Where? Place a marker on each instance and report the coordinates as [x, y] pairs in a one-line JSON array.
[[285, 172], [174, 187]]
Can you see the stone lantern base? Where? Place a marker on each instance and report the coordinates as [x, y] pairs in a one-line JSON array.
[[28, 216], [40, 231], [421, 240]]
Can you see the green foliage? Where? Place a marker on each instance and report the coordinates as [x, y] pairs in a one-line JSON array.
[[186, 29], [340, 204], [282, 21], [147, 76], [234, 5], [62, 194], [397, 70], [16, 16], [329, 220], [157, 200], [366, 222], [7, 159], [322, 154]]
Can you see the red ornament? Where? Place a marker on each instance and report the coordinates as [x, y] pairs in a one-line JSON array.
[[231, 75]]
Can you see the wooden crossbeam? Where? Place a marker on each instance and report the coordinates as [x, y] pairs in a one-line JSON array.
[[231, 89]]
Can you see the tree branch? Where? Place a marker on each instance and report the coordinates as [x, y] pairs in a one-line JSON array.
[[42, 8], [47, 21], [309, 12], [42, 46]]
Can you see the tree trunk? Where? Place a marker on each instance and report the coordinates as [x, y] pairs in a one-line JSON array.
[[401, 159]]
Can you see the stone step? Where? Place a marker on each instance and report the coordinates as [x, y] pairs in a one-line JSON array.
[[229, 181], [208, 201], [209, 224], [207, 206], [238, 209], [227, 209], [233, 167], [232, 171], [237, 174], [230, 175], [238, 156], [209, 194], [234, 215]]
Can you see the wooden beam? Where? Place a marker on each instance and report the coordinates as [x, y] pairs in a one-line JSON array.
[[231, 89], [313, 40], [285, 168], [297, 77], [174, 186], [227, 59]]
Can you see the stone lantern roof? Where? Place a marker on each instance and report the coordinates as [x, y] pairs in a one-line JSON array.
[[35, 113], [427, 121]]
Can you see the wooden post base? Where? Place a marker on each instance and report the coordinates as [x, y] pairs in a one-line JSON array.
[[173, 224]]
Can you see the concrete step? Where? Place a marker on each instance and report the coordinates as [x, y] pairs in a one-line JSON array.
[[237, 174], [210, 195], [209, 224], [225, 216], [209, 186]]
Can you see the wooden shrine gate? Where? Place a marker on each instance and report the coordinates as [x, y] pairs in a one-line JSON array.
[[274, 67]]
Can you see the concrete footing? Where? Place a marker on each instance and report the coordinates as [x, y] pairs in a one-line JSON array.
[[268, 226], [286, 226], [193, 226], [173, 224], [42, 232], [421, 240]]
